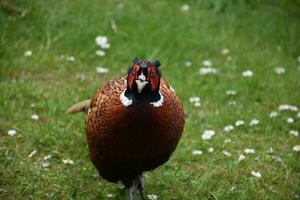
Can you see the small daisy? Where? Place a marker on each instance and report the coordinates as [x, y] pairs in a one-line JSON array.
[[254, 122], [152, 196], [194, 99], [283, 107], [102, 41], [32, 105], [102, 70], [70, 58], [227, 141], [249, 151], [47, 157], [247, 73], [232, 103], [207, 70], [187, 63], [290, 120], [110, 195], [279, 70], [241, 157], [35, 117], [197, 104], [210, 150], [28, 53], [270, 150], [45, 164], [273, 114], [225, 51], [296, 148], [185, 8], [230, 92], [207, 63], [68, 162], [226, 153], [12, 132], [239, 122], [32, 153], [197, 152], [207, 134], [298, 114], [228, 128], [100, 53], [294, 133], [256, 174]]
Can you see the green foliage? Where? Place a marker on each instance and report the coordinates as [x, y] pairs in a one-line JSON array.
[[261, 35]]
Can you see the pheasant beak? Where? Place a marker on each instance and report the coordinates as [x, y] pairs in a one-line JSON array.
[[141, 82]]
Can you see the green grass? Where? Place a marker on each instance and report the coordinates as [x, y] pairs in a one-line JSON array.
[[261, 35]]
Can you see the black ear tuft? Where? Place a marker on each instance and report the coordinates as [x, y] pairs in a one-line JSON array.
[[156, 64], [135, 60]]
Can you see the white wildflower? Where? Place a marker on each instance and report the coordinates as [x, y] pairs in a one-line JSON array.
[[277, 158], [68, 161], [207, 63], [152, 196], [197, 152], [254, 122], [12, 132], [226, 153], [32, 153], [279, 70], [296, 148], [290, 120], [70, 58], [225, 51], [256, 174], [239, 122], [197, 104], [283, 107], [110, 195], [270, 150], [207, 134], [247, 73], [187, 63], [102, 70], [100, 53], [232, 103], [185, 8], [80, 77], [28, 53], [102, 41], [32, 105], [230, 92], [47, 157], [241, 157], [228, 128], [45, 164], [273, 114], [249, 151], [227, 141], [35, 117], [207, 70], [298, 114], [210, 150], [194, 99], [294, 133]]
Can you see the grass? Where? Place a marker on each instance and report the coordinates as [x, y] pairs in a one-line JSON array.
[[261, 35]]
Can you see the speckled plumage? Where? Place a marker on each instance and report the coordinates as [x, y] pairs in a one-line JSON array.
[[125, 141]]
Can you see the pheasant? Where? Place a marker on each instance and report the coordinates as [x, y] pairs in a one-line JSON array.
[[133, 125]]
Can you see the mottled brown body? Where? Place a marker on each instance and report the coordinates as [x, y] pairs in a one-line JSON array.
[[125, 141]]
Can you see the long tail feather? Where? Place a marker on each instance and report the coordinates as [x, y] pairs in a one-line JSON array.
[[82, 106]]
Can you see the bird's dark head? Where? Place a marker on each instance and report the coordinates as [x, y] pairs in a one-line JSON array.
[[143, 77]]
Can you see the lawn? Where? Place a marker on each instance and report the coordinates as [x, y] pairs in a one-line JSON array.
[[247, 53]]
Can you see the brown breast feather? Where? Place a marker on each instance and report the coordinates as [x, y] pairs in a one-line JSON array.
[[125, 141]]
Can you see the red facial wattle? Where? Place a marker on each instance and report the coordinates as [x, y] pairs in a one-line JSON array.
[[132, 76], [153, 78]]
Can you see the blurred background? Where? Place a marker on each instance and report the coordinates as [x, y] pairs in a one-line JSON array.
[[235, 65]]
